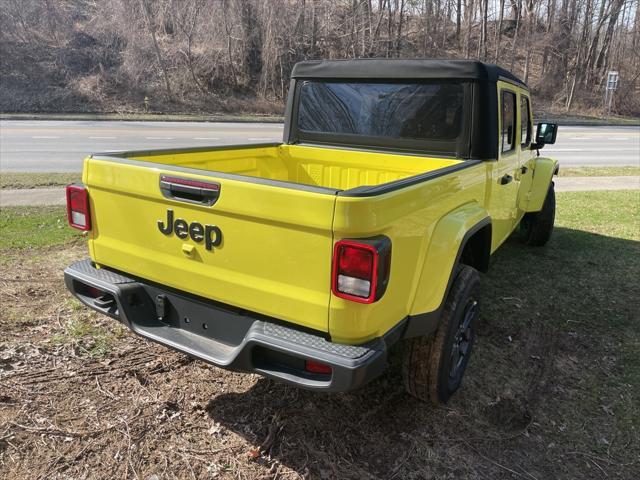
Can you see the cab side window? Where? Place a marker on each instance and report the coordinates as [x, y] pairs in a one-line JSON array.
[[525, 122], [508, 132]]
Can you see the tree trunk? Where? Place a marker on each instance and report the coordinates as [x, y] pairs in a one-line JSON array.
[[225, 9], [366, 52], [516, 6], [582, 46], [579, 66], [515, 34], [468, 13], [399, 31], [354, 34], [314, 29], [190, 65], [444, 26], [636, 29], [593, 47], [52, 21], [251, 40], [603, 57], [616, 58], [389, 29], [436, 14], [152, 31], [499, 32], [187, 24], [484, 5], [376, 32], [458, 16], [551, 10], [571, 93], [530, 19]]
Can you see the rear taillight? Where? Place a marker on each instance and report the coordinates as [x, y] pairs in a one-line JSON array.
[[78, 207], [361, 268]]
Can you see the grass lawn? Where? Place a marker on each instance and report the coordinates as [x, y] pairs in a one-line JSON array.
[[552, 390], [573, 308], [614, 214], [598, 171], [37, 180], [25, 227], [562, 118]]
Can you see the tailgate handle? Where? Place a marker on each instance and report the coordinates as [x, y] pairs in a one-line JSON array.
[[188, 190]]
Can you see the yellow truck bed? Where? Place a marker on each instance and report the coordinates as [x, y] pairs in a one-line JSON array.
[[306, 165]]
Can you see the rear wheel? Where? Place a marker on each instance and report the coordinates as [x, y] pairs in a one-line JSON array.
[[536, 227], [433, 366]]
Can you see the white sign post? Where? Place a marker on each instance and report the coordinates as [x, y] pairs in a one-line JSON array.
[[612, 86]]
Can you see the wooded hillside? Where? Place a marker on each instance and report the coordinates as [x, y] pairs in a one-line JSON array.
[[236, 55]]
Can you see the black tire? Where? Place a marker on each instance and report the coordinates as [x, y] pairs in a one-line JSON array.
[[433, 366], [536, 227]]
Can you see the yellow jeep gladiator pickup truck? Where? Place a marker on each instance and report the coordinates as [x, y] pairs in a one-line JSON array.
[[306, 260]]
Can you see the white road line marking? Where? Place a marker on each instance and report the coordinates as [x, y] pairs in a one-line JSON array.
[[579, 138], [102, 138], [205, 138], [618, 138], [44, 136], [565, 149], [158, 138]]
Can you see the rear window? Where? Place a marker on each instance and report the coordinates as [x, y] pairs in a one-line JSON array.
[[429, 116]]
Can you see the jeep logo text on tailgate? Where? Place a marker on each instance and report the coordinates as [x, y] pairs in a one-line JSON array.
[[211, 234]]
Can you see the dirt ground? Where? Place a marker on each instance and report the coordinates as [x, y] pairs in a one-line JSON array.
[[545, 395]]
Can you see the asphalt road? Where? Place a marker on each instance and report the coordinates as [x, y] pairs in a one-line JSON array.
[[60, 146]]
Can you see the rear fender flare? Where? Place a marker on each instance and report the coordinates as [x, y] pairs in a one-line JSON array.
[[444, 250]]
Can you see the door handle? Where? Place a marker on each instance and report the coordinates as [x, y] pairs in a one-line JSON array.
[[524, 170], [506, 179]]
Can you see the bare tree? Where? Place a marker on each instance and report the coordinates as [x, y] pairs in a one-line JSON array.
[[498, 36], [186, 19], [469, 13], [458, 16], [515, 14], [482, 48], [152, 31], [593, 47], [236, 55], [614, 13]]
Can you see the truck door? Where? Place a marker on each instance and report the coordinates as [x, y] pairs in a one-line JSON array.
[[526, 155], [504, 186]]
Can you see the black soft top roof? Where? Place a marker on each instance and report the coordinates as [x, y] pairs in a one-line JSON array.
[[374, 68]]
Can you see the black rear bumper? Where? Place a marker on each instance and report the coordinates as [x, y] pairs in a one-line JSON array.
[[225, 336]]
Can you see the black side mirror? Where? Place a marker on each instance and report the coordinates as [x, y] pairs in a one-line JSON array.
[[546, 134]]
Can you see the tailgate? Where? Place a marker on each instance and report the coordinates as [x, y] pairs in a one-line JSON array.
[[275, 252]]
